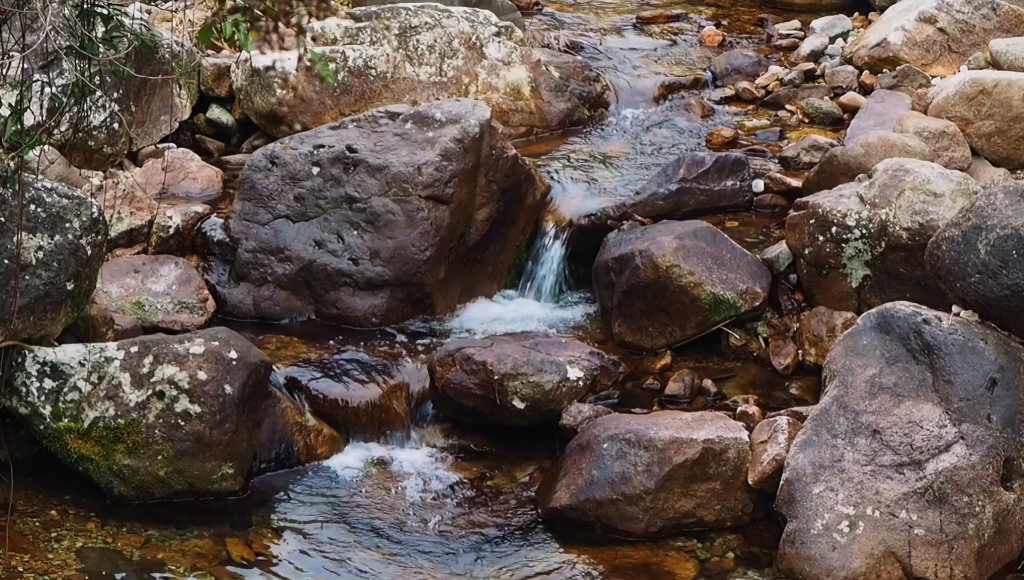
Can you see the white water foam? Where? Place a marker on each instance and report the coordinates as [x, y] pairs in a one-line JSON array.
[[423, 472], [509, 313]]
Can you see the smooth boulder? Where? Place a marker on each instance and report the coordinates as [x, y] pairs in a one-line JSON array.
[[880, 112], [518, 380], [977, 256], [985, 105], [863, 244], [943, 137], [661, 285], [156, 417], [416, 53], [843, 164], [385, 216], [1007, 53], [912, 465], [936, 36], [650, 475], [737, 65], [52, 248]]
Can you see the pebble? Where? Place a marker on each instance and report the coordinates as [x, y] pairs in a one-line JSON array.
[[851, 102], [711, 36], [748, 92], [722, 136], [788, 25]]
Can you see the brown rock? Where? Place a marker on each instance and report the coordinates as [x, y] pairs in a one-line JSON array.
[[783, 353], [771, 202], [215, 74], [946, 141], [879, 113], [711, 36], [820, 328], [746, 91], [578, 416], [239, 551], [868, 81], [699, 107], [722, 136], [843, 164], [983, 104], [289, 436], [851, 102], [174, 227], [657, 363], [683, 386], [672, 86], [793, 95], [750, 416], [692, 466], [769, 447], [807, 152], [986, 174], [179, 174], [782, 184], [660, 16]]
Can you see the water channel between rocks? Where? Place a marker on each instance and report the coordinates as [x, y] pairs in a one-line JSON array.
[[411, 497]]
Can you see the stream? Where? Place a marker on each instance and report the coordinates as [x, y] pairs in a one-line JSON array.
[[412, 497]]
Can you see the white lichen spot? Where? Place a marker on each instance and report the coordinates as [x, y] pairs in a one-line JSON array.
[[232, 354], [574, 373], [196, 349], [201, 376], [228, 389]]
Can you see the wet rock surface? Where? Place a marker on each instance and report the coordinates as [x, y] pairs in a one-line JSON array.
[[518, 380], [157, 417], [374, 220], [290, 436], [703, 277], [646, 475], [909, 465]]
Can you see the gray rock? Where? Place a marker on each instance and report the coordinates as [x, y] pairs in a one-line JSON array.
[[157, 417], [946, 141], [863, 244], [985, 105], [810, 50], [807, 152], [700, 276], [505, 10], [834, 27], [879, 113], [737, 65], [851, 102], [979, 61], [1007, 53], [649, 475], [51, 248], [578, 416], [843, 79], [843, 164], [977, 256], [906, 79], [174, 228], [986, 174], [822, 111], [910, 465], [221, 119], [518, 380], [792, 95], [379, 218], [777, 256]]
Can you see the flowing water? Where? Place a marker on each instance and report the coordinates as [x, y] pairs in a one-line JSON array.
[[427, 500]]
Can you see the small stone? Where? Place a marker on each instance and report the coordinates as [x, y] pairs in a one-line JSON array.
[[783, 353], [578, 416], [777, 257], [859, 22], [834, 27], [810, 50], [212, 146], [771, 202], [851, 102], [754, 125], [657, 363], [721, 137], [750, 416], [868, 81], [669, 87], [833, 51], [683, 386], [807, 152], [808, 69], [779, 183], [794, 78], [722, 94], [787, 43], [748, 92], [788, 25], [772, 134], [822, 111], [842, 79], [769, 446], [757, 185], [699, 107], [711, 36], [978, 61], [221, 120], [767, 79], [239, 551], [660, 16]]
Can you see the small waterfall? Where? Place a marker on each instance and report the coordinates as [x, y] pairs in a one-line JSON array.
[[545, 278]]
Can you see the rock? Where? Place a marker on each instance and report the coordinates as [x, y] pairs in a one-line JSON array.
[[976, 256], [771, 202], [810, 50], [682, 386], [783, 354], [48, 163], [851, 102], [822, 111], [813, 6], [985, 174], [220, 119], [660, 16], [868, 81], [711, 36], [786, 44], [1007, 53], [179, 174], [807, 152], [779, 183], [722, 94], [862, 244], [819, 329], [722, 137], [777, 257], [105, 113], [161, 293], [769, 446], [979, 61], [156, 417], [843, 164], [792, 95], [879, 113], [578, 416], [650, 475], [935, 35], [906, 79], [754, 125], [456, 52], [699, 107], [702, 277], [505, 10], [53, 240], [797, 413], [834, 27], [983, 104], [215, 74], [746, 91], [672, 86], [750, 416], [843, 79], [909, 466], [174, 228], [518, 380], [692, 184], [656, 363], [737, 65], [377, 219], [289, 436], [946, 141]]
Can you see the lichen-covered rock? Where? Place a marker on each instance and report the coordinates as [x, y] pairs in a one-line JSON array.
[[984, 105], [936, 36], [402, 53], [650, 475], [385, 216], [158, 293], [862, 244], [290, 436], [174, 228], [51, 249], [518, 380], [911, 465], [505, 10], [660, 285], [156, 417]]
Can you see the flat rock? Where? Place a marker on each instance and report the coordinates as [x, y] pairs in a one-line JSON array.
[[811, 49], [879, 113], [792, 95], [737, 65], [984, 104], [834, 27]]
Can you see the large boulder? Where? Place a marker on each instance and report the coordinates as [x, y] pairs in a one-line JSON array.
[[862, 244], [691, 185], [518, 380], [943, 137], [650, 475], [505, 10], [416, 53], [385, 216], [51, 252], [912, 464], [661, 285], [977, 256], [156, 417], [843, 164], [936, 36], [985, 105], [140, 83]]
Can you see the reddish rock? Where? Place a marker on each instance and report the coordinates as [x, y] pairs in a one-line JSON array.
[[819, 330], [769, 445]]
